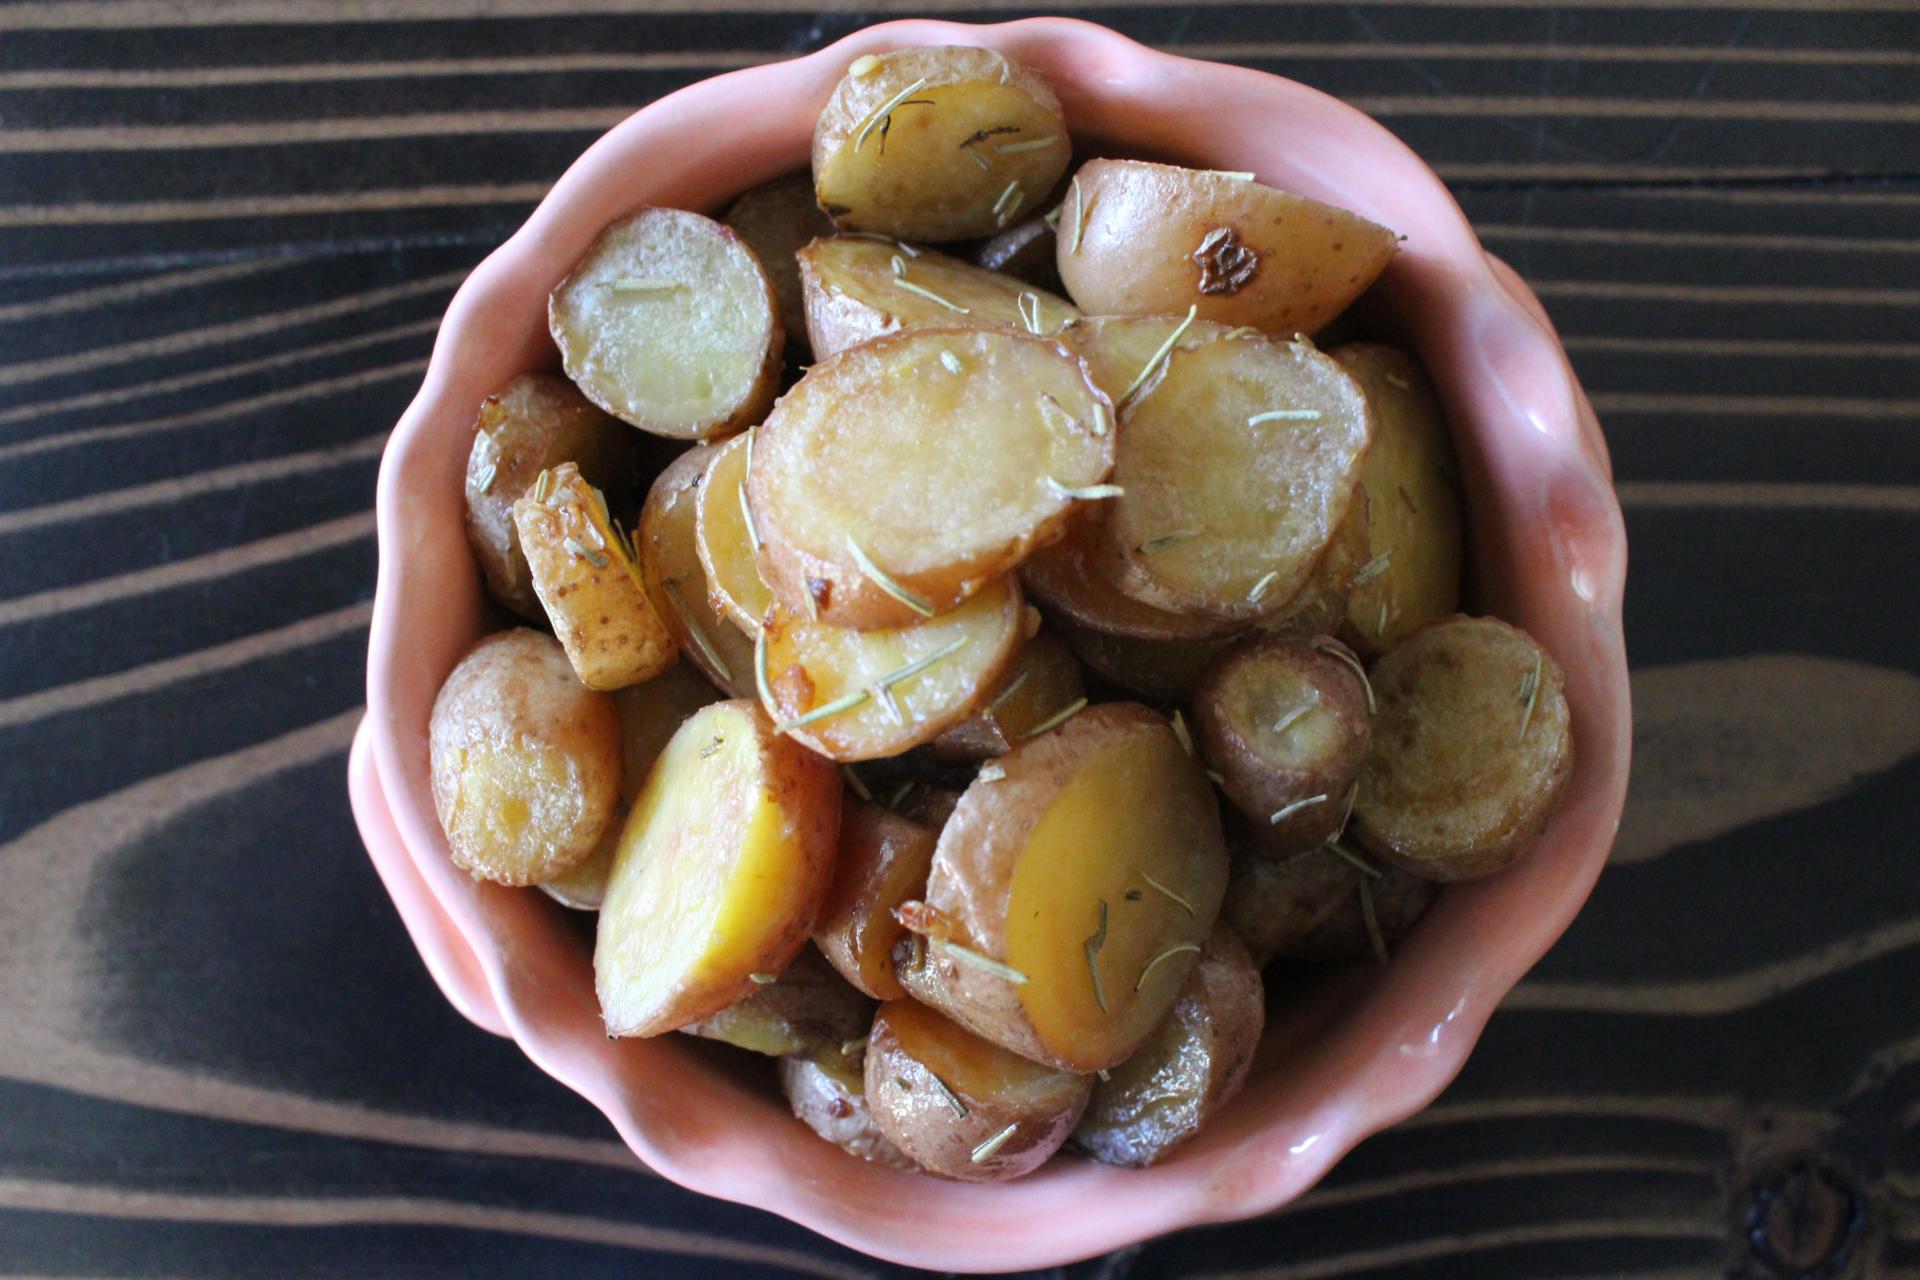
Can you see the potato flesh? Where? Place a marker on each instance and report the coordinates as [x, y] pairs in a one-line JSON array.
[[667, 540], [1044, 680], [668, 323], [1260, 499], [847, 461], [810, 665], [1120, 349], [807, 1010], [725, 543], [1075, 577], [884, 859], [777, 220], [723, 862], [854, 293], [829, 1097]]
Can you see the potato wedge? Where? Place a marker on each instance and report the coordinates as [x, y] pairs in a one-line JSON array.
[[962, 1106], [524, 760], [667, 540], [861, 695], [535, 422], [723, 863], [668, 322], [1161, 671], [1285, 723], [944, 142], [830, 1097], [870, 520], [1368, 922], [726, 538], [1276, 905], [1149, 239], [1471, 750], [1193, 1065], [1044, 680], [857, 289], [1024, 251], [776, 220], [1071, 891], [586, 577], [883, 862], [1239, 459], [1415, 535], [807, 1010]]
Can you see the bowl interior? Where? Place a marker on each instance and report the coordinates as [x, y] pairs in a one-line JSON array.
[[1343, 1056]]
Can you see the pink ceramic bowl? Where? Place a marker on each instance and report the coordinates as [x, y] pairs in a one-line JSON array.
[[1340, 1061]]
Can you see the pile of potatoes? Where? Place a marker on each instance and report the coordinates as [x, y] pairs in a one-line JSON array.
[[970, 725]]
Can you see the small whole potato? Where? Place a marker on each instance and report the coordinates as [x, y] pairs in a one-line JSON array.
[[1276, 904], [524, 759], [883, 862], [830, 1097]]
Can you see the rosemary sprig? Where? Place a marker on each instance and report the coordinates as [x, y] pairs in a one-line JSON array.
[[1166, 540], [1052, 217], [1261, 587], [1031, 144], [1079, 215], [542, 486], [1372, 568], [899, 265], [583, 552], [1372, 917], [918, 665], [1160, 355], [746, 513], [986, 165], [931, 296], [1006, 194], [1180, 731], [952, 1098], [1214, 777], [694, 630], [988, 1149], [1084, 493], [484, 482], [1530, 692], [853, 780], [1380, 622], [1096, 940], [1284, 415], [761, 683], [967, 955], [1021, 304], [644, 284], [839, 706], [1340, 653], [1057, 719], [951, 361], [1285, 722], [919, 604], [1166, 892], [1286, 811], [853, 1048], [1100, 427], [1347, 855], [873, 121], [1013, 687], [892, 704], [1346, 809], [1174, 950]]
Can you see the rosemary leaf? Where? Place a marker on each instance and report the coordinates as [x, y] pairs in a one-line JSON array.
[[696, 632], [967, 955], [840, 705], [918, 665], [1159, 356], [1372, 568], [1347, 855], [1340, 653], [1372, 918], [1176, 949], [1031, 144], [1166, 540], [1284, 415], [1057, 719], [931, 296], [874, 574], [1166, 892], [1286, 811], [1085, 493], [873, 121], [987, 1150], [1096, 940], [853, 781]]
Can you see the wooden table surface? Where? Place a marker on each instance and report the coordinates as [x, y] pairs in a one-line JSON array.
[[226, 233]]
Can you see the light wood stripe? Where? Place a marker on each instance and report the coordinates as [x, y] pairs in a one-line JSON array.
[[1715, 1114], [1327, 1196], [1635, 237], [1780, 495], [1723, 406], [1529, 108], [91, 213], [1368, 50], [1741, 294], [149, 287], [1366, 1261], [1853, 193], [1810, 348]]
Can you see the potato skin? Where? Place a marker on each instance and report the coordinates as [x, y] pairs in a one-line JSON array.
[[724, 539], [1399, 900], [1076, 578], [1045, 678], [1024, 251], [1161, 671], [776, 220], [883, 861], [1193, 1065], [1276, 905], [666, 541], [1154, 239], [1466, 769], [808, 1010], [829, 1096], [524, 760], [535, 422]]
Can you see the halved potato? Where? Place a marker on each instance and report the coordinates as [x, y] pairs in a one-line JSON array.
[[727, 539], [777, 219], [1123, 352], [1074, 578], [883, 862], [667, 540], [870, 519], [1239, 460], [524, 760], [1192, 1066], [1044, 680], [584, 572], [1320, 607], [807, 1010], [1071, 891], [535, 422], [962, 1106], [1147, 239], [943, 142], [1410, 573], [1368, 921], [858, 288], [1471, 749], [1276, 905], [861, 695], [1162, 671], [669, 323], [723, 863], [830, 1097]]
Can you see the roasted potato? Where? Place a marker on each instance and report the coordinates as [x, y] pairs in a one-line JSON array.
[[1192, 1066], [585, 575], [777, 220], [861, 695], [1074, 578], [1276, 905], [858, 288], [928, 805], [524, 760], [1471, 750], [944, 142], [723, 863], [670, 323], [1148, 239], [1123, 352], [727, 540], [830, 1097], [962, 1106], [1410, 573], [807, 1010], [1071, 890], [1286, 723], [1024, 251], [667, 540], [883, 862], [1320, 607], [870, 520], [1162, 671], [1238, 460], [535, 422], [1044, 680], [1369, 920]]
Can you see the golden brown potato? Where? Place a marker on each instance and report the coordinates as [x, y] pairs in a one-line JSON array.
[[1239, 459], [524, 759], [962, 1106], [1276, 905], [535, 422], [667, 540], [1370, 919], [1286, 725], [1163, 671], [723, 862], [944, 142], [883, 862], [1320, 607], [1071, 890], [1044, 678], [1410, 573], [1148, 239], [871, 520], [777, 219], [857, 289], [584, 572], [669, 323], [1024, 251], [1192, 1066], [830, 1098], [727, 540], [1123, 352], [807, 1010], [861, 695], [1471, 750], [1074, 578]]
